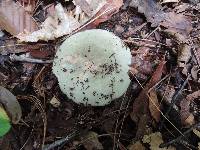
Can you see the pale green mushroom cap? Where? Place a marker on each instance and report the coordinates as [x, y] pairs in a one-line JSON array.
[[92, 67]]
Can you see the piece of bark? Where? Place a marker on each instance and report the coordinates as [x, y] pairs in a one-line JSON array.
[[14, 19]]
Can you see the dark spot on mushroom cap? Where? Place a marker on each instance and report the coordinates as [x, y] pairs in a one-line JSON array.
[[64, 70], [71, 89]]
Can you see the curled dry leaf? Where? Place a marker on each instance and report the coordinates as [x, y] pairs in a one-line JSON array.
[[14, 19], [64, 23], [110, 8], [187, 117], [11, 105], [53, 27]]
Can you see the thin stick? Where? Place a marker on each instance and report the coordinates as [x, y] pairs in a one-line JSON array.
[[180, 137], [61, 141], [30, 60]]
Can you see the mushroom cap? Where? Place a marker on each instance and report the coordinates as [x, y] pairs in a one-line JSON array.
[[92, 67]]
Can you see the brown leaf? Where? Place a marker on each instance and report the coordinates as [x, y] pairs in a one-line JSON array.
[[14, 19], [176, 24], [90, 7], [154, 14], [187, 117], [154, 140], [91, 141], [53, 27], [136, 146], [110, 8], [154, 105], [140, 111]]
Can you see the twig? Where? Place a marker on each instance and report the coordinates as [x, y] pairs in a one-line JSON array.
[[23, 58], [186, 144], [61, 141], [174, 99], [180, 137]]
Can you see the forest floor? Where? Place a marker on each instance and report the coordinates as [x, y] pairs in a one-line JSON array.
[[159, 111]]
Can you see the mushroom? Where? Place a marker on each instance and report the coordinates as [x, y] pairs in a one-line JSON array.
[[92, 67]]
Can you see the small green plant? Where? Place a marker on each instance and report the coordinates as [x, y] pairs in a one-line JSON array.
[[10, 110], [4, 122]]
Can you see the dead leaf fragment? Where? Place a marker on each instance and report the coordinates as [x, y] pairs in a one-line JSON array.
[[140, 111], [136, 146], [90, 7], [55, 102], [196, 132], [64, 23], [154, 140], [53, 27], [91, 141], [187, 117], [14, 19], [110, 8], [154, 105]]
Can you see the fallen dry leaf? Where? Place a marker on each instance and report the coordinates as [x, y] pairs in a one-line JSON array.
[[196, 132], [167, 93], [64, 23], [53, 27], [136, 146], [91, 141], [14, 19], [154, 105], [187, 117], [28, 5], [55, 102], [90, 7], [156, 16], [140, 111], [177, 25], [110, 8], [154, 140]]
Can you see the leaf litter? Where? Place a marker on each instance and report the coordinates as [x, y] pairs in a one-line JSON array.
[[164, 53]]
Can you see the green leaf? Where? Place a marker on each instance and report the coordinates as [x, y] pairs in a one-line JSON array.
[[4, 122]]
